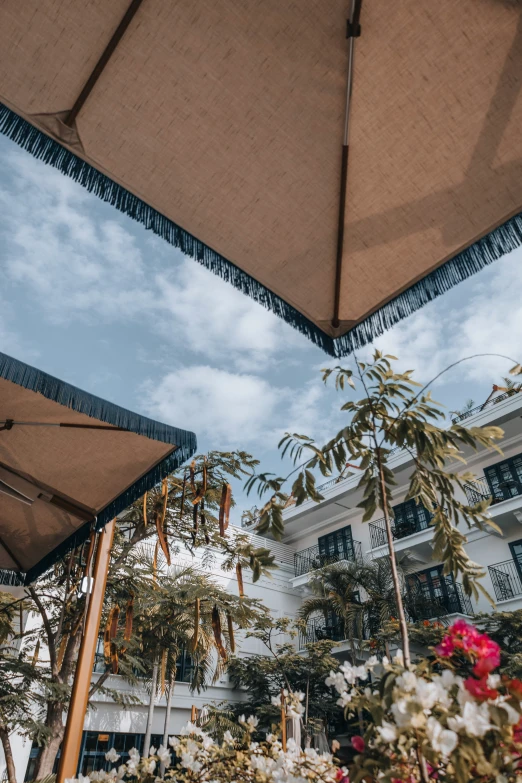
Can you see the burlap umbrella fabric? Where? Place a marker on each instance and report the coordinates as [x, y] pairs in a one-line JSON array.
[[219, 125], [69, 463]]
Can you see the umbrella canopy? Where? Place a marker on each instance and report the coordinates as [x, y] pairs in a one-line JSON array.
[[69, 463], [224, 127]]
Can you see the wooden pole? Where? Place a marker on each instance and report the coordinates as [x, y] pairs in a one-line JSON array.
[[82, 677], [283, 720]]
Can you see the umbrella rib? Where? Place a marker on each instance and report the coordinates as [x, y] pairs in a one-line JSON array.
[[353, 31], [9, 424], [102, 62]]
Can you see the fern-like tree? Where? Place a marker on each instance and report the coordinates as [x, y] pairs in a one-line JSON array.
[[395, 412], [188, 511]]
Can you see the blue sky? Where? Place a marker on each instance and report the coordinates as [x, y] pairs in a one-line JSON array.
[[90, 296]]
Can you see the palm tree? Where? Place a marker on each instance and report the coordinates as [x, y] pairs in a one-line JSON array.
[[360, 595], [186, 611]]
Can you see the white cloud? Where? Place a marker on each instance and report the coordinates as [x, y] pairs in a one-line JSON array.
[[225, 408], [483, 315], [77, 265]]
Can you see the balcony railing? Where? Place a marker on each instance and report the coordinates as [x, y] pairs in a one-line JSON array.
[[471, 412], [422, 604], [480, 490], [399, 530], [310, 559], [506, 580], [317, 629]]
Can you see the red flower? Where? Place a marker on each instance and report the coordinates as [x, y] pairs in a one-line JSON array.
[[341, 777], [358, 744], [486, 664], [480, 689], [515, 686], [517, 731]]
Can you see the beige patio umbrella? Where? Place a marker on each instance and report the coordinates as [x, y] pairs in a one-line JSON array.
[[69, 463], [224, 127]]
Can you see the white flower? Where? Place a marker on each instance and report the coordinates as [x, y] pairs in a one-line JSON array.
[[448, 679], [494, 680], [442, 740], [345, 699], [174, 742], [228, 738], [188, 761], [512, 715], [387, 731], [474, 720], [399, 658], [407, 681], [372, 662], [427, 694], [134, 755], [335, 680], [121, 772], [242, 719], [111, 755], [252, 722], [149, 766], [152, 750], [164, 755]]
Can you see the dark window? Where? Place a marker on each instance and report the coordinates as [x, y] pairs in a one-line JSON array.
[[505, 478], [410, 517], [516, 552], [337, 545], [431, 594]]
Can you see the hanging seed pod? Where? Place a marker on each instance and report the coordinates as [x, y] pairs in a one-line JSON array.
[[201, 489], [224, 508], [197, 613], [36, 653], [114, 615], [203, 521], [216, 627], [115, 663], [193, 714], [161, 538], [231, 633], [145, 519], [239, 575], [165, 496], [192, 473], [195, 524], [183, 490], [129, 615]]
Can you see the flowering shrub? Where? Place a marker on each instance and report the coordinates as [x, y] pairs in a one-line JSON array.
[[197, 757], [452, 720], [426, 722]]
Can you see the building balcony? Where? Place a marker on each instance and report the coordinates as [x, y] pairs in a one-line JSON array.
[[506, 579], [400, 529], [312, 558], [424, 604], [467, 414], [480, 490]]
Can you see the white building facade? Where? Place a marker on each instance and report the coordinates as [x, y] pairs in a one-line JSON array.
[[316, 534]]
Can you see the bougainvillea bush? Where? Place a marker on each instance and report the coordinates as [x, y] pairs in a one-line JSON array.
[[426, 722]]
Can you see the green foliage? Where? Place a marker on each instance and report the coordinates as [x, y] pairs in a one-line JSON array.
[[394, 413], [263, 676]]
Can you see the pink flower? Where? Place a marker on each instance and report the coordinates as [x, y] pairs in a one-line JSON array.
[[341, 776], [480, 689], [446, 648], [358, 744]]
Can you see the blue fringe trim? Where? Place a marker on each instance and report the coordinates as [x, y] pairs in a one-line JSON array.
[[11, 578], [70, 397], [500, 241]]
